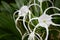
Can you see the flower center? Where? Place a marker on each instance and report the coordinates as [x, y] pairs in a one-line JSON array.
[[44, 21]]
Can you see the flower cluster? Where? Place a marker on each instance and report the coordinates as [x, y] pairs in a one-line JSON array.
[[44, 20]]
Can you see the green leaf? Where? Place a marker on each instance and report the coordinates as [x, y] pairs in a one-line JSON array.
[[57, 3], [8, 30], [19, 3], [7, 7]]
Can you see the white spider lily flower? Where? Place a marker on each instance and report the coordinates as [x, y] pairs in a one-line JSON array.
[[45, 20], [22, 12]]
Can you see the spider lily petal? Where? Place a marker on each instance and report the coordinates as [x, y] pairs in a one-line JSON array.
[[26, 34], [51, 8], [55, 14], [34, 4], [24, 23], [17, 27], [42, 0], [14, 14], [52, 18], [39, 37]]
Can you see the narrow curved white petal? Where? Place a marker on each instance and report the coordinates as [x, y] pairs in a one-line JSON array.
[[51, 8], [55, 14], [19, 30], [55, 24], [47, 33], [17, 26], [24, 23], [32, 20], [39, 37], [36, 27], [42, 0], [30, 14], [16, 22], [52, 18], [14, 14], [26, 34], [24, 19], [34, 4]]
